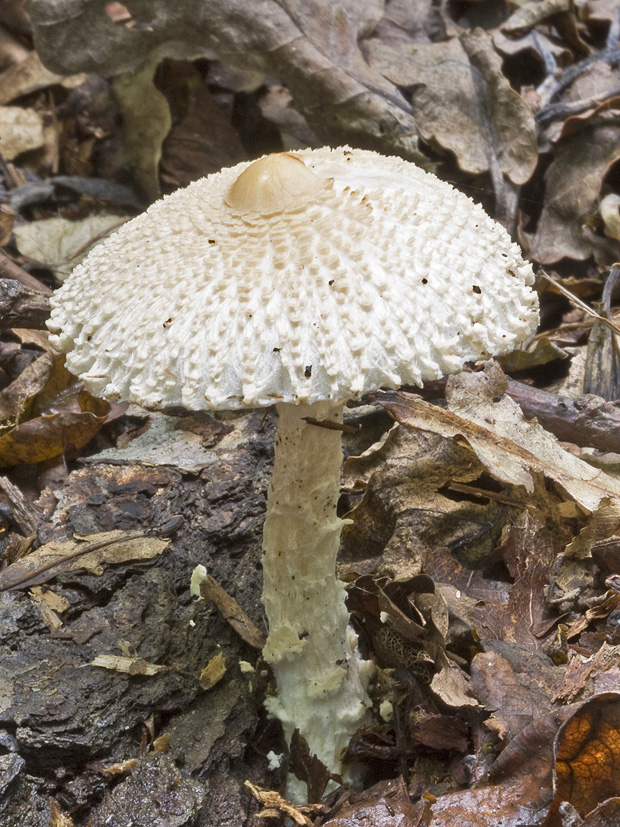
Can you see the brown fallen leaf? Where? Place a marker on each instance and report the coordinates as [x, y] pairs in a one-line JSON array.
[[15, 398], [587, 768], [91, 553], [477, 115], [201, 140], [347, 101], [520, 788], [383, 812], [308, 768], [45, 412], [573, 184]]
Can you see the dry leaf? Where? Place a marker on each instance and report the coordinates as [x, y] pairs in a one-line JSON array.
[[347, 99], [532, 13], [273, 801], [588, 754], [130, 666], [213, 672], [511, 448], [61, 244], [90, 553], [452, 686], [58, 818], [572, 190], [29, 75], [146, 122], [451, 110], [21, 130], [520, 788]]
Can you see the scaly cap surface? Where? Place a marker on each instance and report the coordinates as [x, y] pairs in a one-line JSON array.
[[319, 275]]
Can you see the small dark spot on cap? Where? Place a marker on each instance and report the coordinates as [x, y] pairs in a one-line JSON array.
[[308, 371], [424, 281], [331, 281], [168, 322], [476, 289], [277, 349], [211, 241]]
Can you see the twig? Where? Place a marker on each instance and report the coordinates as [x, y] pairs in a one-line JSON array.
[[10, 270]]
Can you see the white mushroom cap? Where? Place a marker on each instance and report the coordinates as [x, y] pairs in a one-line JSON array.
[[319, 275]]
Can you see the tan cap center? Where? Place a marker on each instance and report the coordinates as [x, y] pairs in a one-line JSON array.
[[273, 184]]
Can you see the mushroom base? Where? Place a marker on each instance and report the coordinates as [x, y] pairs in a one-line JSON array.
[[321, 678]]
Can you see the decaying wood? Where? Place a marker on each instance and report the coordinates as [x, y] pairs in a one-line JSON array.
[[24, 514], [21, 306], [587, 420]]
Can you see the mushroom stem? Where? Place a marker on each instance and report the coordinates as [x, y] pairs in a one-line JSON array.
[[321, 678]]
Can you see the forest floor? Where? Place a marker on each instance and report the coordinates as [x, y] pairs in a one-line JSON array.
[[483, 558]]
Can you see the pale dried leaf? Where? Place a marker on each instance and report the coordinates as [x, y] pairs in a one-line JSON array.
[[451, 685], [130, 666], [90, 553], [532, 13], [21, 130], [29, 75], [146, 122], [213, 672], [61, 244]]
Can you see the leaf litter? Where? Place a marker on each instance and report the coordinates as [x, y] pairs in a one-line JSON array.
[[482, 564]]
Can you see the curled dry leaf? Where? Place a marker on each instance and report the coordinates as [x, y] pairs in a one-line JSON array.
[[45, 412], [512, 449], [347, 101]]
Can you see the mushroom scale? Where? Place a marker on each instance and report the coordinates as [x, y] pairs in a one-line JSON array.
[[380, 275]]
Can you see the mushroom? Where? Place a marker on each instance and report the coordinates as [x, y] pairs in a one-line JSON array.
[[302, 280]]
